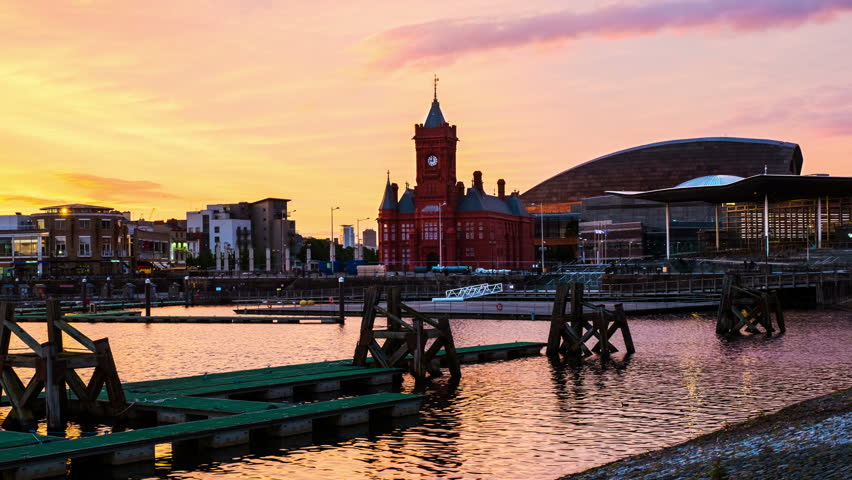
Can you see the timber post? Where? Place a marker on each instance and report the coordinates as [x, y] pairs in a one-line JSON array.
[[557, 317]]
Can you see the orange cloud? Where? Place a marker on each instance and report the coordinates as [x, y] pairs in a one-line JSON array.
[[445, 40], [114, 189]]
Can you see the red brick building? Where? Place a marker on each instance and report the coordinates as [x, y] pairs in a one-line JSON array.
[[440, 222]]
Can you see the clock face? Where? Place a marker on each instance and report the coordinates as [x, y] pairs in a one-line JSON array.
[[432, 160]]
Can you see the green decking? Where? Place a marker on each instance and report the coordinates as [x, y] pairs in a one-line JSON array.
[[189, 396], [17, 439], [80, 447]]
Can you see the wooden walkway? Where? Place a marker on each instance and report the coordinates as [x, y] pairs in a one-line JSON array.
[[102, 318], [224, 409], [489, 309]]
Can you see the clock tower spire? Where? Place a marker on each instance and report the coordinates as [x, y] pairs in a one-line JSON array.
[[435, 144]]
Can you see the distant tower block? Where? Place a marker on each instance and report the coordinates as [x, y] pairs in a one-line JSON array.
[[268, 259], [251, 259]]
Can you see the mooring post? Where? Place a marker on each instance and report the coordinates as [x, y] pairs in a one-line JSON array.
[[340, 299], [186, 293], [419, 366], [557, 320], [147, 297], [625, 329], [577, 308], [602, 326], [54, 386], [83, 293], [367, 321]]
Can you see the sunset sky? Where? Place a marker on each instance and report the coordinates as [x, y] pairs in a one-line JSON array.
[[171, 105]]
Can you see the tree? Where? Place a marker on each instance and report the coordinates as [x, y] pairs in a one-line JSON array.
[[371, 256], [206, 260], [244, 259]]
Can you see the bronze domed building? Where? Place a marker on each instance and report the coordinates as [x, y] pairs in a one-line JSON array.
[[667, 164]]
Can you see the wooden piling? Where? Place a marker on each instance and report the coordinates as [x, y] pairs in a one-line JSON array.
[[557, 318], [621, 318]]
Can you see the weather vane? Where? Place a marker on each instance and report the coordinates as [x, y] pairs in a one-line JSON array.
[[435, 86]]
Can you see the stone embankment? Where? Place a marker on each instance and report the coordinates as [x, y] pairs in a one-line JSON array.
[[808, 440]]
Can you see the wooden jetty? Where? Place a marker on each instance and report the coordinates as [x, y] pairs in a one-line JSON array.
[[206, 411], [54, 368], [415, 345], [103, 318], [569, 333], [49, 459], [747, 308]]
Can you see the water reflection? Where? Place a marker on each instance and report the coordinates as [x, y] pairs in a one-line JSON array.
[[527, 418]]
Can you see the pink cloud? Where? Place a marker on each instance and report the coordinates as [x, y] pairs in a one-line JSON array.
[[445, 40], [826, 111]]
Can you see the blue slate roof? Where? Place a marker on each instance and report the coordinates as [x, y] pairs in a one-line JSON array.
[[389, 200], [475, 201], [516, 206], [435, 117], [406, 203]]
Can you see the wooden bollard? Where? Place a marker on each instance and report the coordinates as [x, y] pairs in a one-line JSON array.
[[147, 297]]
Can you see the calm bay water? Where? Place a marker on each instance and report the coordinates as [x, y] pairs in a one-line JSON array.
[[520, 419]]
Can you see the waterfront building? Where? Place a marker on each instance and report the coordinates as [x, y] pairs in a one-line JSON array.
[[84, 239], [149, 246], [177, 240], [23, 247], [235, 227], [438, 221], [580, 192], [347, 235], [787, 215]]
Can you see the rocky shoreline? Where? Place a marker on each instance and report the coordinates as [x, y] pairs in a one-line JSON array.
[[808, 440]]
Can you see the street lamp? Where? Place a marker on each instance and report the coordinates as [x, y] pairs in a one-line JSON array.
[[360, 248], [331, 243], [541, 215], [441, 235], [285, 240]]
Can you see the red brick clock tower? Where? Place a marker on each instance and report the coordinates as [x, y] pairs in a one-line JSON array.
[[436, 222]]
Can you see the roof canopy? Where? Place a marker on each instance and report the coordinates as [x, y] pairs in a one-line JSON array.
[[751, 189]]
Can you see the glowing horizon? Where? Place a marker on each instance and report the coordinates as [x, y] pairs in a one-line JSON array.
[[172, 106]]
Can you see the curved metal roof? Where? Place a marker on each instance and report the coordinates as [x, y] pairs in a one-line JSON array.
[[666, 164], [751, 189], [709, 180]]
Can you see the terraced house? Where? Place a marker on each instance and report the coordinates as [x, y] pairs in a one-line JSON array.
[[84, 239]]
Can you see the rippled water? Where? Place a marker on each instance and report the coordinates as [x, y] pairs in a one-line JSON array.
[[520, 419]]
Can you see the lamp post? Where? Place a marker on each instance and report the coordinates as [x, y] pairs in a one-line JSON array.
[[360, 248], [441, 234], [541, 215], [331, 242], [285, 240], [340, 299]]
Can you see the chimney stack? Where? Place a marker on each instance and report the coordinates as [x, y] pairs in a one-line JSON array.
[[395, 188], [501, 189], [477, 181]]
